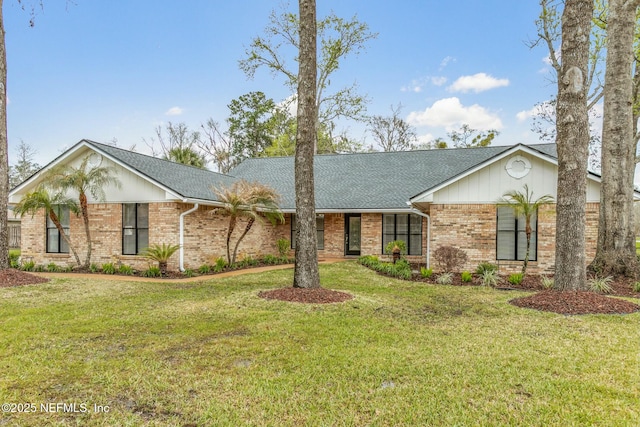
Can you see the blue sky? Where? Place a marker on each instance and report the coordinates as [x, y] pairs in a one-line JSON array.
[[115, 69]]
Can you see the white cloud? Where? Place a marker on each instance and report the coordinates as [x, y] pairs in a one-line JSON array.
[[446, 61], [477, 83], [174, 111], [451, 114], [438, 81], [544, 108]]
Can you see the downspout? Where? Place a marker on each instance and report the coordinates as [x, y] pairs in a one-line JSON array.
[[182, 215], [418, 212]]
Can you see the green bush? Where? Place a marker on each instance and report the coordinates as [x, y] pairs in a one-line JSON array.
[[484, 266], [204, 269], [14, 258], [401, 244], [426, 272], [220, 265], [270, 259], [601, 284], [283, 247], [400, 270], [466, 276], [636, 287], [369, 261], [188, 272], [516, 279], [547, 282], [52, 267], [28, 266], [108, 268], [153, 271], [39, 268], [127, 270], [490, 278], [445, 279], [94, 268]]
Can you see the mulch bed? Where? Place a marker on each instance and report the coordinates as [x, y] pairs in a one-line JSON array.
[[12, 277], [308, 296], [575, 302]]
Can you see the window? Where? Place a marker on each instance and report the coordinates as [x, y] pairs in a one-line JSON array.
[[319, 230], [511, 239], [405, 227], [135, 228], [55, 242]]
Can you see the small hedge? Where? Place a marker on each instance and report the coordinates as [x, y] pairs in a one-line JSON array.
[[401, 269]]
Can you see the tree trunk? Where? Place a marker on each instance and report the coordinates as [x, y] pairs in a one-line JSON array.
[[572, 140], [616, 251], [306, 273], [232, 226], [84, 207], [244, 233], [63, 235], [4, 160], [527, 253]]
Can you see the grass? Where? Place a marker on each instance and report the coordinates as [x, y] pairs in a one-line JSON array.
[[400, 353]]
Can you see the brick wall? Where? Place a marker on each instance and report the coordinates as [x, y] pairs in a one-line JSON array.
[[469, 227]]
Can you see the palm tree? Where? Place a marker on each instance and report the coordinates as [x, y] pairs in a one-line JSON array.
[[250, 200], [186, 156], [524, 205], [41, 199], [84, 179], [161, 254]]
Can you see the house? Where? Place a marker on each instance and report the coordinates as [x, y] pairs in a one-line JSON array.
[[427, 198]]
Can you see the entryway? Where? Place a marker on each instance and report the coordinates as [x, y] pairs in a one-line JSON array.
[[352, 230]]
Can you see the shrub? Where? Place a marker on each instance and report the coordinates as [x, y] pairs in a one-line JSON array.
[[490, 278], [108, 268], [601, 284], [94, 268], [220, 265], [445, 278], [466, 276], [53, 267], [426, 272], [204, 269], [401, 244], [450, 258], [188, 272], [127, 270], [28, 266], [516, 279], [14, 258], [484, 266], [369, 261], [547, 282], [152, 272], [67, 269], [39, 268], [283, 247], [636, 287], [160, 254]]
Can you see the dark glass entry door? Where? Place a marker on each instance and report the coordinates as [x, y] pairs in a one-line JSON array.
[[352, 229]]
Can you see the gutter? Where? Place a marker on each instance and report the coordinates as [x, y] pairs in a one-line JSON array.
[[418, 212], [182, 215]]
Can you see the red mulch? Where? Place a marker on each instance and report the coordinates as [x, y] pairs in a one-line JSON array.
[[576, 302], [308, 296], [12, 277]]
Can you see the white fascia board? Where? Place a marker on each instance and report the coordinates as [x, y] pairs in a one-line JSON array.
[[328, 211]]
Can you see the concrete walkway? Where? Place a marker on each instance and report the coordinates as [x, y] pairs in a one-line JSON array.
[[121, 278]]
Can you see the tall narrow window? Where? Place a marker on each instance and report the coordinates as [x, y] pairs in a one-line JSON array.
[[55, 242], [319, 230], [511, 238], [135, 228], [405, 227]]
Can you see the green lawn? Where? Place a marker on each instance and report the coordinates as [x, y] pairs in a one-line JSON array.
[[213, 353]]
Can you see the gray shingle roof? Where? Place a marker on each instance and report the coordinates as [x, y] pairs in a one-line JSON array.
[[364, 181], [186, 181]]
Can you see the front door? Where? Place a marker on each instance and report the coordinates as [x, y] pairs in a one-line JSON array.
[[352, 229]]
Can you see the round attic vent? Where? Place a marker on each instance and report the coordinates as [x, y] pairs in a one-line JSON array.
[[518, 167], [94, 160]]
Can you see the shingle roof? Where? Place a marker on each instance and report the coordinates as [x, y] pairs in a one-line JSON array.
[[372, 181], [186, 181]]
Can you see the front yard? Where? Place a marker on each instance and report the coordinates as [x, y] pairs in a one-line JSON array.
[[110, 352]]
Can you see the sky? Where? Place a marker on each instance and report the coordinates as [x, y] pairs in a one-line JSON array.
[[114, 70]]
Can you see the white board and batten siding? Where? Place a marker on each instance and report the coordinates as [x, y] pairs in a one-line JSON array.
[[489, 184]]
